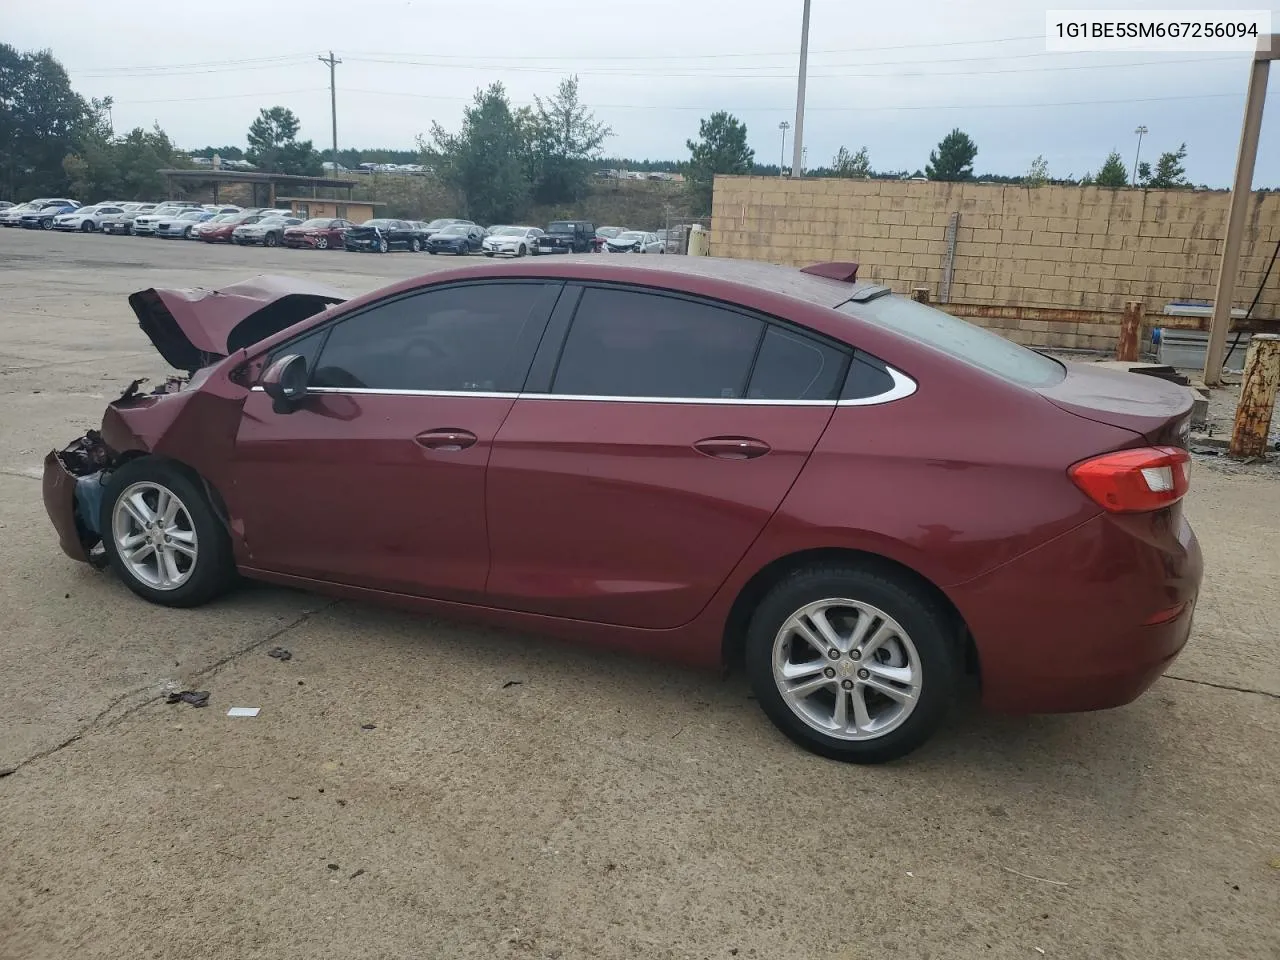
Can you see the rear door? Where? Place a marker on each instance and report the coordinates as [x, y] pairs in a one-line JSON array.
[[377, 478], [656, 437]]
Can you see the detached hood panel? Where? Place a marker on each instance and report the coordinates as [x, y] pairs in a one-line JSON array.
[[194, 328]]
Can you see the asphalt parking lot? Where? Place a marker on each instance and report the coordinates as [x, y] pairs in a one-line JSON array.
[[515, 797]]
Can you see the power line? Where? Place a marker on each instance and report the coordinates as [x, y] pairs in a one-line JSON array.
[[222, 96], [256, 63]]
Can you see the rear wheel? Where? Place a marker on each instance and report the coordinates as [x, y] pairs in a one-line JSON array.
[[162, 536], [46, 224], [852, 664], [415, 245], [270, 240]]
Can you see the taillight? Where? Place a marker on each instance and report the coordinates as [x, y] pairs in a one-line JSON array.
[[1135, 481]]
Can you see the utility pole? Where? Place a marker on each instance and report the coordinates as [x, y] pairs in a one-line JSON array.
[[331, 61], [797, 157], [1140, 132], [784, 126]]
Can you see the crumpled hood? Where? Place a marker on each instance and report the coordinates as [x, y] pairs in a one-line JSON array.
[[194, 328]]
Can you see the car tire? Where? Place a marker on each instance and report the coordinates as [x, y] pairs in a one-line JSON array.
[[270, 240], [199, 573], [916, 635], [432, 252], [489, 254], [522, 251], [322, 243], [415, 245], [383, 245], [86, 226], [188, 233], [46, 224]]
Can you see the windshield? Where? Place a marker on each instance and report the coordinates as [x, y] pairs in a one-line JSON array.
[[631, 236], [561, 227], [608, 232], [376, 223], [960, 339], [225, 218], [509, 232], [192, 215], [455, 230], [316, 223], [438, 224]]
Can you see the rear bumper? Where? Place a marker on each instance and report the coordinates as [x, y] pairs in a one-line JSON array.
[[59, 489], [1089, 620]]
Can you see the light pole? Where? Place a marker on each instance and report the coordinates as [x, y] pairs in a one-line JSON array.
[[797, 157], [784, 126], [1137, 153]]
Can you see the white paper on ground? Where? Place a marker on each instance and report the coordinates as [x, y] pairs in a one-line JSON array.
[[243, 711]]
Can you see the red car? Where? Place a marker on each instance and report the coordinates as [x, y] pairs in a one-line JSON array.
[[321, 233], [856, 496]]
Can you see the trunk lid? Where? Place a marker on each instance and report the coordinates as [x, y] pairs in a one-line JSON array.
[[1155, 409], [194, 328]]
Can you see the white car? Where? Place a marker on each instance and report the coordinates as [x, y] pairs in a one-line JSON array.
[[511, 241], [11, 216], [86, 219], [145, 224], [269, 231], [634, 241]]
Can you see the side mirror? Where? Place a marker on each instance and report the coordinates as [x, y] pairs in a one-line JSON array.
[[285, 382]]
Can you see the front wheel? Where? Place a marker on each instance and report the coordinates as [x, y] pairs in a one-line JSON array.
[[189, 233], [86, 226], [522, 251], [270, 240], [851, 663], [322, 243], [383, 246], [415, 245], [162, 536], [46, 225]]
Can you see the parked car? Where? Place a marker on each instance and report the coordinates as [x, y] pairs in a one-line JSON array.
[[144, 224], [218, 210], [267, 231], [435, 226], [513, 241], [854, 495], [86, 219], [219, 229], [122, 223], [635, 241], [183, 226], [319, 233], [12, 216], [567, 236], [457, 238], [603, 234], [6, 204], [381, 235], [42, 218]]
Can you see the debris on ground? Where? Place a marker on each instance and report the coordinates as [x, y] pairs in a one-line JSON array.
[[244, 711], [331, 866], [1027, 876], [7, 772], [197, 698], [368, 726], [358, 873], [280, 653], [512, 683]]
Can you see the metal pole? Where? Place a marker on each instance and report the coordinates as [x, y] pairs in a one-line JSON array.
[[332, 63], [782, 157], [1268, 48], [1137, 153], [797, 157]]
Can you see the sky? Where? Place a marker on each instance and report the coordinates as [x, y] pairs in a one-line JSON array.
[[893, 77]]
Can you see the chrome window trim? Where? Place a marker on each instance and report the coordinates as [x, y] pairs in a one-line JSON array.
[[903, 386]]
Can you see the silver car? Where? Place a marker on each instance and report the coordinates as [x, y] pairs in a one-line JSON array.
[[269, 231], [183, 225], [635, 241], [144, 225], [123, 222]]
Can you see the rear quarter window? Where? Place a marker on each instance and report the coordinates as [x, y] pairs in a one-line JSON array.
[[957, 338]]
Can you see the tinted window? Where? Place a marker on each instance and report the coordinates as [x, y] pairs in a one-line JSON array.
[[628, 344], [460, 338], [867, 377], [962, 340], [792, 366]]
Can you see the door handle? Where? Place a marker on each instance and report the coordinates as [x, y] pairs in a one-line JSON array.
[[732, 448], [447, 439]]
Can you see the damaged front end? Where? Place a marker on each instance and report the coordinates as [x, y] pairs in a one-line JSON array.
[[73, 482]]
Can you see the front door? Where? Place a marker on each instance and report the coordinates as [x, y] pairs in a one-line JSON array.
[[377, 478], [671, 431]]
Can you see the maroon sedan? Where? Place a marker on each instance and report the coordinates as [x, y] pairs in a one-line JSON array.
[[855, 495], [320, 233]]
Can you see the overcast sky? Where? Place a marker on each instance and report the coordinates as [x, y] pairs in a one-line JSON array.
[[894, 77]]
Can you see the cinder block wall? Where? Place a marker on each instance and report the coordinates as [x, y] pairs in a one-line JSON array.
[[1052, 266]]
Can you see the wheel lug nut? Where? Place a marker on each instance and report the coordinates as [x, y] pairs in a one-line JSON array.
[[855, 654], [828, 673], [863, 674], [847, 684], [833, 653]]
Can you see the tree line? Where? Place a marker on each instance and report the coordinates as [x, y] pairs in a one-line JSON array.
[[499, 162]]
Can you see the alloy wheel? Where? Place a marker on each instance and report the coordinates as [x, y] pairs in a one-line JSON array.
[[322, 243], [846, 669], [154, 535]]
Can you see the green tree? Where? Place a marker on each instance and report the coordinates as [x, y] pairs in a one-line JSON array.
[[1038, 173], [953, 160], [848, 164], [1144, 175], [1112, 172], [41, 119], [721, 148], [121, 168], [486, 161], [274, 146], [224, 153], [564, 145], [1170, 173]]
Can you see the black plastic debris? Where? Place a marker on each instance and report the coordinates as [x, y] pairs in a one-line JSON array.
[[280, 653], [331, 866], [197, 698], [512, 683], [358, 873], [368, 726]]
